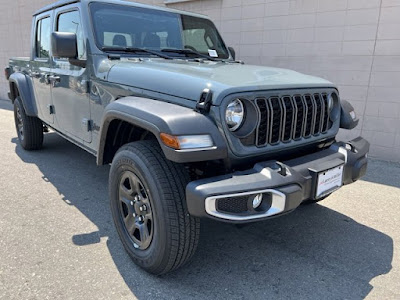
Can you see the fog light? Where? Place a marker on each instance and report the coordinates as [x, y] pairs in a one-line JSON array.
[[257, 200]]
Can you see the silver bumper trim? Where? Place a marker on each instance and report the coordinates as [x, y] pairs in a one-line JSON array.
[[277, 206]]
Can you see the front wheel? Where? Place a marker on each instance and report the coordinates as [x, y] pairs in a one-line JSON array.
[[147, 197]]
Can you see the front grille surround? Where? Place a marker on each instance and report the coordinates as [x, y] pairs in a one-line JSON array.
[[293, 105]]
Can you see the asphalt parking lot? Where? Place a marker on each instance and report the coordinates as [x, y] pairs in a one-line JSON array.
[[57, 239]]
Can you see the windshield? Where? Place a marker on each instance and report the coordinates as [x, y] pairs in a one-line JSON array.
[[129, 26]]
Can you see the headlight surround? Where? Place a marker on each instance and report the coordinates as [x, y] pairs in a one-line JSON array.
[[234, 114]]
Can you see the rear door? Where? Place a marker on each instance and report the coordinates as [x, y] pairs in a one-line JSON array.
[[41, 66], [69, 82]]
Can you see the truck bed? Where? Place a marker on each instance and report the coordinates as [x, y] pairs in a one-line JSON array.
[[19, 64]]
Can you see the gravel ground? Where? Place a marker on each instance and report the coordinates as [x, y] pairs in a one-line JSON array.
[[57, 239]]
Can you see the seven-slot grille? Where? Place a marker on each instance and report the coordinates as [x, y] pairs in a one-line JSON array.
[[287, 118]]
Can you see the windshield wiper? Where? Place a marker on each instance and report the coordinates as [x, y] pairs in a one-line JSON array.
[[136, 50], [189, 52]]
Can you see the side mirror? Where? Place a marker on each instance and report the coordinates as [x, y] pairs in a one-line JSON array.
[[348, 117], [233, 52], [65, 45]]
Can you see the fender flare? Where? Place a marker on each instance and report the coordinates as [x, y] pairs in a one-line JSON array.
[[163, 117], [346, 120], [25, 90]]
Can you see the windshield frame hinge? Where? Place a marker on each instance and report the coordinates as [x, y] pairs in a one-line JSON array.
[[112, 56], [205, 101]]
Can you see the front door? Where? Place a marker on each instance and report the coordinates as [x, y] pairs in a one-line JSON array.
[[41, 68], [70, 83]]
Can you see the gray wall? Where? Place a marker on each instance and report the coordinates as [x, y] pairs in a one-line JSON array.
[[354, 43]]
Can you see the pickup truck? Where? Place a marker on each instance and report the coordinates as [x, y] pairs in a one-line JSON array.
[[190, 132]]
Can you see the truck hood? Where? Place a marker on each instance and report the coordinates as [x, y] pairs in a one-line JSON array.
[[188, 79]]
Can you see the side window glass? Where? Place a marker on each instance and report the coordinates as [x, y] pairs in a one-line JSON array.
[[43, 32], [71, 22]]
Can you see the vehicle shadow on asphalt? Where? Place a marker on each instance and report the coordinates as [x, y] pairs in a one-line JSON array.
[[313, 252], [385, 172], [6, 105]]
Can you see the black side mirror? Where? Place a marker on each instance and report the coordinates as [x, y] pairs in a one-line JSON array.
[[65, 45], [233, 52]]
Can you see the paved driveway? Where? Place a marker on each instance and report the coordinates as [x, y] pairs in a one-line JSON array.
[[57, 240]]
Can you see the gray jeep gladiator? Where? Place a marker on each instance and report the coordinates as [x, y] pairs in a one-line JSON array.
[[189, 131]]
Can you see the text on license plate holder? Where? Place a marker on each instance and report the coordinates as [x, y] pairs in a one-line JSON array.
[[329, 181]]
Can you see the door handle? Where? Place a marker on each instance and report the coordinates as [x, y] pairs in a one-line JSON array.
[[47, 78], [53, 78]]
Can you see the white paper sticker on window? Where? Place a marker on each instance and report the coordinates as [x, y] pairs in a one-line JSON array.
[[212, 53]]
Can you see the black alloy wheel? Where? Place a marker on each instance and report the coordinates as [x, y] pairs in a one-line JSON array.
[[135, 210], [19, 123]]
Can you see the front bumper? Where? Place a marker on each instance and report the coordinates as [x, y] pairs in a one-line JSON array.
[[285, 184]]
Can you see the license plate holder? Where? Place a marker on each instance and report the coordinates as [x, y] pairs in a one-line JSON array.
[[329, 181]]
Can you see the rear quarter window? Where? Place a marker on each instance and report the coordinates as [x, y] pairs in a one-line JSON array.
[[43, 33]]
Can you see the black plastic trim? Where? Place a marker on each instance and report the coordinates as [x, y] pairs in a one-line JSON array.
[[298, 185], [24, 86], [162, 117], [346, 121], [54, 6]]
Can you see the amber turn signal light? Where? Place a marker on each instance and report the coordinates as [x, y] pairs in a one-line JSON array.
[[187, 142], [170, 141]]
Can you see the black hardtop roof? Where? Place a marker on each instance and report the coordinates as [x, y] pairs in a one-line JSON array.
[[54, 5], [61, 3]]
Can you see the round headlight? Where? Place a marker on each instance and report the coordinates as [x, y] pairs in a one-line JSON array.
[[330, 103], [234, 114]]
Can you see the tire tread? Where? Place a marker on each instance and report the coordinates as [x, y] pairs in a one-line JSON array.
[[33, 129], [173, 178]]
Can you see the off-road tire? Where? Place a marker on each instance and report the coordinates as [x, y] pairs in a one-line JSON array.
[[176, 233], [29, 129]]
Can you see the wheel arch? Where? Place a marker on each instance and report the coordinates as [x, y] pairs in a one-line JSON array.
[[21, 86], [119, 130], [149, 118]]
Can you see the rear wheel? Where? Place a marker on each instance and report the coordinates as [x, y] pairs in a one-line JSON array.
[[147, 197], [29, 129]]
